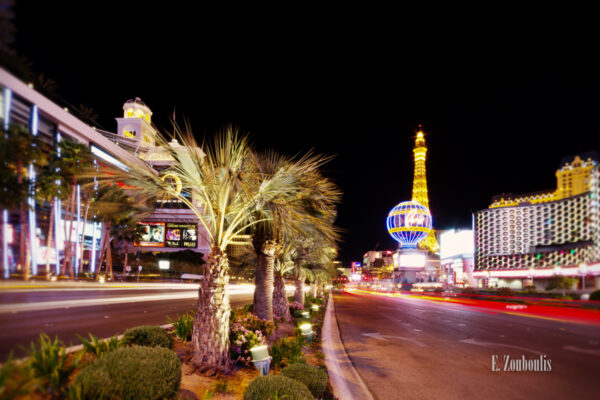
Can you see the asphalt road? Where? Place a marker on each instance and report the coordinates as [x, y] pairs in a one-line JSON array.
[[19, 328], [416, 349]]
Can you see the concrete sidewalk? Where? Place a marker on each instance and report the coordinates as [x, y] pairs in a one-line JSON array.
[[345, 380]]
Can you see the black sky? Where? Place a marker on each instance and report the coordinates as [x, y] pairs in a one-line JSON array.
[[497, 119]]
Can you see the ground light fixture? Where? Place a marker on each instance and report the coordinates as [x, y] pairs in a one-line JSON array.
[[306, 330], [261, 358], [305, 314], [315, 307]]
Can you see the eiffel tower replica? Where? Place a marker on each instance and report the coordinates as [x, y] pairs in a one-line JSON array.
[[419, 193]]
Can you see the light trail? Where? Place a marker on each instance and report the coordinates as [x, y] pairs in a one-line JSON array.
[[556, 312]]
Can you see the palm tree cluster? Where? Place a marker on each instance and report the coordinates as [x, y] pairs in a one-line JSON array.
[[283, 207]]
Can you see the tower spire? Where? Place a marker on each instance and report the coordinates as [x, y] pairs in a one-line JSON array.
[[419, 193]]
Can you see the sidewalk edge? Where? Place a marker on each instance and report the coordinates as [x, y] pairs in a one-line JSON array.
[[345, 381]]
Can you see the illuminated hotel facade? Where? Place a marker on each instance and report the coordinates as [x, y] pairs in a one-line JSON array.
[[526, 240], [22, 104]]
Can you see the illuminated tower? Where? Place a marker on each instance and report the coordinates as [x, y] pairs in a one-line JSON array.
[[420, 189]]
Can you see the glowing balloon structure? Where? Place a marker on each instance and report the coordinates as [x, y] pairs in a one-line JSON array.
[[409, 223]]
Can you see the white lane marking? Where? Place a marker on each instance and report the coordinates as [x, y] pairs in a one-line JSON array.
[[501, 336], [462, 325], [418, 330], [377, 335], [490, 344], [586, 351]]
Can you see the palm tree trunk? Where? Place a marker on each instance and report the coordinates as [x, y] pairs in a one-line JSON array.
[[103, 246], [281, 306], [263, 292], [85, 215], [49, 240], [71, 218], [109, 269], [210, 337], [299, 283]]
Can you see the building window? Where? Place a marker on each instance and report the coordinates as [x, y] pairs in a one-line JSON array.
[[129, 133]]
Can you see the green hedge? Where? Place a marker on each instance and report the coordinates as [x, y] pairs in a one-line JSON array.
[[148, 335], [595, 295], [314, 378], [277, 387], [130, 373]]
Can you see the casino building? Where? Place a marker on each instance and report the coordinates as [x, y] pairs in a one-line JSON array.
[[523, 240], [170, 228]]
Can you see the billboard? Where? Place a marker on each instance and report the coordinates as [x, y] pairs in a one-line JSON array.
[[456, 243], [181, 235], [153, 234], [169, 234]]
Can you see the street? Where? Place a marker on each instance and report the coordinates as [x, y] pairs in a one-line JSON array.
[[24, 314], [406, 348]]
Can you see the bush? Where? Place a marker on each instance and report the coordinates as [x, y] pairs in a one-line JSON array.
[[505, 291], [286, 352], [274, 387], [183, 326], [241, 340], [251, 322], [468, 290], [148, 335], [595, 295], [560, 282], [136, 372], [51, 365], [314, 378]]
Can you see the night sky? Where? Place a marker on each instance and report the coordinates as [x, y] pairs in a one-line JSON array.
[[496, 119]]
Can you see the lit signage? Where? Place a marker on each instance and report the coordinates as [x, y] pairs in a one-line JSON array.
[[412, 260], [181, 235], [455, 243], [168, 234], [153, 234]]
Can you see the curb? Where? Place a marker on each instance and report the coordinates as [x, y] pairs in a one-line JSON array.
[[345, 380]]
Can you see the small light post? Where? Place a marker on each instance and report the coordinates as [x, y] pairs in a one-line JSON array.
[[305, 314], [261, 358], [315, 308], [306, 330]]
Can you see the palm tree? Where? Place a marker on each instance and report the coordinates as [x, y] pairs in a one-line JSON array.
[[221, 187], [304, 201], [74, 157], [119, 212], [50, 187], [20, 150]]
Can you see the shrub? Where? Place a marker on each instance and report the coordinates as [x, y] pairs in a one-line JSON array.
[[294, 305], [286, 352], [241, 341], [252, 322], [136, 372], [51, 365], [97, 347], [560, 282], [505, 291], [273, 387], [183, 326], [148, 335], [468, 290], [314, 378], [595, 295]]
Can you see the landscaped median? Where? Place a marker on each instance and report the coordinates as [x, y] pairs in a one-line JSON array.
[[150, 362]]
